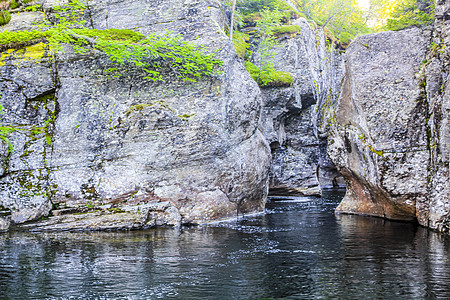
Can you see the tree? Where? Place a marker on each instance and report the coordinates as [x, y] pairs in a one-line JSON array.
[[233, 9], [410, 13], [342, 20], [265, 74]]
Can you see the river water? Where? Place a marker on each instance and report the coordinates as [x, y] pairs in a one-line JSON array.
[[298, 250]]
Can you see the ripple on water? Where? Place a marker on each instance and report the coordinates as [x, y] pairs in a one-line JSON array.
[[297, 250]]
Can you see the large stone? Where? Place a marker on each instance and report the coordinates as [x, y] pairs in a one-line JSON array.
[[191, 152], [379, 142], [23, 21]]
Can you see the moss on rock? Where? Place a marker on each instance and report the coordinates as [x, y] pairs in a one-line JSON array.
[[286, 29], [269, 77]]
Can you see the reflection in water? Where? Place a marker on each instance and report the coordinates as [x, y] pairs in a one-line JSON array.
[[419, 258], [299, 249]]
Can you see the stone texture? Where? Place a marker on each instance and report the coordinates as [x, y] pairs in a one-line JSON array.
[[391, 133], [23, 21], [109, 143], [292, 119], [435, 213], [379, 142]]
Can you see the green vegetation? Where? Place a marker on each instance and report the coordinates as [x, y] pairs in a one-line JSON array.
[[286, 29], [153, 53], [342, 20], [14, 4], [269, 77], [5, 131], [264, 22], [270, 18], [240, 41], [37, 7], [411, 13], [19, 39], [265, 74], [5, 17]]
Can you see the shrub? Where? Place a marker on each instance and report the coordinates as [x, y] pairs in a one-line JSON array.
[[14, 4], [150, 53], [5, 17], [240, 43]]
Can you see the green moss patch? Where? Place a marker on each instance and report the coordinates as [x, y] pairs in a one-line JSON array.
[[20, 39], [286, 29], [252, 17], [269, 77], [111, 34]]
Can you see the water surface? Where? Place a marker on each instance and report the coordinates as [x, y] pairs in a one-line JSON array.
[[298, 250]]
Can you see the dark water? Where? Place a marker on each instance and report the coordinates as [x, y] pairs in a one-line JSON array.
[[298, 250]]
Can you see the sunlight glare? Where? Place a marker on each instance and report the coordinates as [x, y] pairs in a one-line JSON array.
[[364, 4]]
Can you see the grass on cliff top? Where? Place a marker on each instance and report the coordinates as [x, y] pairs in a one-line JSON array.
[[286, 29], [151, 53], [269, 77]]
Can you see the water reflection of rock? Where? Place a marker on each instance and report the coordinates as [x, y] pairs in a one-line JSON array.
[[298, 250], [386, 247]]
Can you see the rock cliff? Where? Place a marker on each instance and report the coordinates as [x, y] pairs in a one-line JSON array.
[[90, 150], [292, 119], [97, 151], [390, 126]]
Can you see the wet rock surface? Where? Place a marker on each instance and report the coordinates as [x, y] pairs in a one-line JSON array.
[[98, 152], [435, 212]]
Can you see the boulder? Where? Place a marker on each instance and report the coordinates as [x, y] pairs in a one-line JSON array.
[[379, 140]]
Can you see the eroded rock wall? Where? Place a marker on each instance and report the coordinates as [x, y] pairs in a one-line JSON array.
[[435, 212], [293, 118], [390, 127], [97, 151], [379, 142]]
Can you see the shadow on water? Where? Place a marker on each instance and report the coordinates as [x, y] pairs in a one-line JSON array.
[[299, 249]]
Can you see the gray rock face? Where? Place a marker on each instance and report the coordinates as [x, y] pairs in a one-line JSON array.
[[381, 140], [22, 21], [292, 117], [435, 212], [126, 152]]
